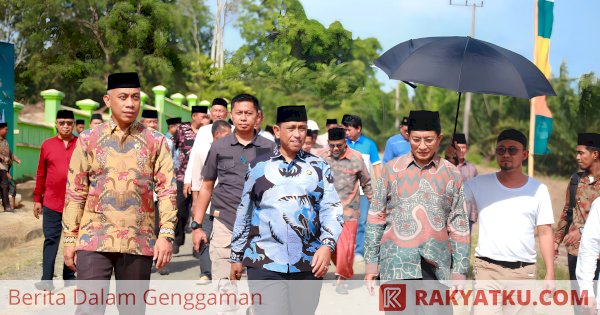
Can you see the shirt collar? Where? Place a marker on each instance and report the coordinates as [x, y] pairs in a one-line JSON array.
[[301, 155], [112, 125], [343, 156], [586, 179], [360, 138], [233, 140], [73, 139], [410, 159]]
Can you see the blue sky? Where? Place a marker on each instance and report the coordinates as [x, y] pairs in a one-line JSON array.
[[508, 23]]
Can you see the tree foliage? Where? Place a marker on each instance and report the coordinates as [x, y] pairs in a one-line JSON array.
[[74, 45], [286, 58]]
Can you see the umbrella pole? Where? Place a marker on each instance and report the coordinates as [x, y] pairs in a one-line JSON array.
[[456, 123], [457, 110]]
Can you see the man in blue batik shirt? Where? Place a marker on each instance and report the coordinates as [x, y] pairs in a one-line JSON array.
[[288, 221]]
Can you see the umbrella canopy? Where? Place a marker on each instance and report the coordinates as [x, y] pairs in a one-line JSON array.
[[464, 64]]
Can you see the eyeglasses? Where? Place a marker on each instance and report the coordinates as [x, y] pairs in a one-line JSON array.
[[429, 141], [68, 123], [511, 150], [339, 146]]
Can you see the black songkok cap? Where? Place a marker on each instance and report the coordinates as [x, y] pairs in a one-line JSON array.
[[2, 125], [513, 134], [97, 116], [424, 120], [80, 122], [589, 139], [199, 109], [219, 101], [65, 114], [346, 119], [404, 121], [291, 113], [174, 120], [123, 80], [336, 134], [309, 132], [460, 138], [150, 113], [330, 121]]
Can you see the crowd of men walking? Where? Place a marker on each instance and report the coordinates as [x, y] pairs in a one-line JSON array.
[[286, 201]]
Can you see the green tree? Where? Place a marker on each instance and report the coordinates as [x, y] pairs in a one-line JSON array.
[[74, 45]]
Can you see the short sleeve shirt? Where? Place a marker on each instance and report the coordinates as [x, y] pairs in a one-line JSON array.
[[227, 161]]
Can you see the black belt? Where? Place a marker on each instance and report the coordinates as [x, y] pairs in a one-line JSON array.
[[507, 264]]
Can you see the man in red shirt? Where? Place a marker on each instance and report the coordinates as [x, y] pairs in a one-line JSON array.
[[49, 193]]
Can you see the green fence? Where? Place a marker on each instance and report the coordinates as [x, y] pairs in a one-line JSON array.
[[29, 135]]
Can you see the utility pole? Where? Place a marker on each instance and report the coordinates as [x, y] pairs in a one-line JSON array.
[[467, 111], [216, 51]]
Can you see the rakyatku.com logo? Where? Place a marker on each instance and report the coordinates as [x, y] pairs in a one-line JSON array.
[[392, 297], [396, 297]]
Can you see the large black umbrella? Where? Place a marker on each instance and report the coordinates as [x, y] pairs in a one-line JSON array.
[[464, 64]]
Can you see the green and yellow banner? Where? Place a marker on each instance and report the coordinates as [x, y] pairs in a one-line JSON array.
[[544, 18]]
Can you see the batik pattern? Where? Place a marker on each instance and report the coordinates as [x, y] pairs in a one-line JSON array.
[[287, 212], [350, 170], [587, 191], [183, 141], [417, 212], [112, 176]]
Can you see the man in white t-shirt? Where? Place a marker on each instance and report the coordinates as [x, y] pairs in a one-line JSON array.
[[589, 249], [510, 206], [204, 137]]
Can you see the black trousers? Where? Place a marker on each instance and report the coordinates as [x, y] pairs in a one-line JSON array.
[[4, 189], [572, 263], [183, 214], [94, 270], [430, 284], [52, 228], [204, 255], [280, 295]]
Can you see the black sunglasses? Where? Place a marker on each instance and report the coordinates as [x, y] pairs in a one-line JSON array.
[[339, 146], [511, 150]]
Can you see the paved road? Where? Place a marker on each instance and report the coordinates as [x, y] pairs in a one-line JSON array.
[[185, 267]]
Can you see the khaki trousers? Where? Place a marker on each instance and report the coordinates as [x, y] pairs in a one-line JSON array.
[[489, 276], [220, 250]]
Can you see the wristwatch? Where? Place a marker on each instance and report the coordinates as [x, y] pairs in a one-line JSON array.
[[195, 225], [581, 230], [170, 239]]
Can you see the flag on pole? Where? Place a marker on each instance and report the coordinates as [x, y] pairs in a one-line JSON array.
[[544, 18]]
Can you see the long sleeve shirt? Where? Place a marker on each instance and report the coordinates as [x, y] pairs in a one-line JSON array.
[[112, 176], [193, 173], [589, 249], [51, 177], [183, 141], [587, 191], [288, 211], [350, 170], [417, 212]]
